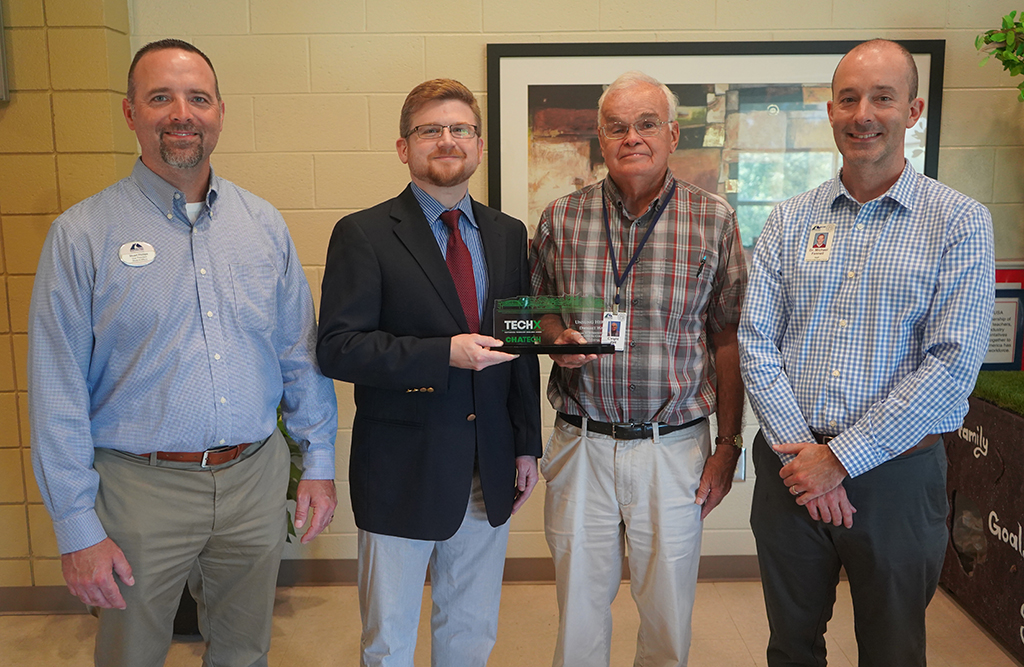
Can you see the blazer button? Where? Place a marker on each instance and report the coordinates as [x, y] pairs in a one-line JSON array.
[[423, 389], [470, 417], [430, 390]]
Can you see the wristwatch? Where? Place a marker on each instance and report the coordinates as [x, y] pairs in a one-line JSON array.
[[734, 440]]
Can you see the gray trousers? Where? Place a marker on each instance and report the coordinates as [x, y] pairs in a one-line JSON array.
[[893, 556], [227, 521]]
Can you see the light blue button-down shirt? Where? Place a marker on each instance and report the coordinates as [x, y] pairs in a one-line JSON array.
[[191, 351], [882, 342]]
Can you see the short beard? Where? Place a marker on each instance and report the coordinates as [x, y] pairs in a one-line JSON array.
[[445, 179], [185, 158], [182, 159]]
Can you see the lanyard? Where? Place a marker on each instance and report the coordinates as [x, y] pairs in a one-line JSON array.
[[619, 280]]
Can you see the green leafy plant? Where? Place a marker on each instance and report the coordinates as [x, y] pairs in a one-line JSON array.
[[294, 473], [1007, 46]]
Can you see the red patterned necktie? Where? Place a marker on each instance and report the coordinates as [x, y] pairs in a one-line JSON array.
[[460, 264]]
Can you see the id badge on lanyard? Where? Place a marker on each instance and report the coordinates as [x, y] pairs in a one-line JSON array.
[[613, 330], [615, 321]]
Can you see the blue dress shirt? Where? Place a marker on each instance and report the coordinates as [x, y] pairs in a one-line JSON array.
[[470, 232], [882, 342], [190, 351]]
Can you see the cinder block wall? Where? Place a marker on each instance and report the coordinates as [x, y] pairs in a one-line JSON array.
[[62, 138], [313, 90]]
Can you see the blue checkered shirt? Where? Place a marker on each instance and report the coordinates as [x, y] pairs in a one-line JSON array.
[[880, 344], [192, 351]]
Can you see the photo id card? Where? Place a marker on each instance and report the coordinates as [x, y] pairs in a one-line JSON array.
[[820, 240], [613, 330]]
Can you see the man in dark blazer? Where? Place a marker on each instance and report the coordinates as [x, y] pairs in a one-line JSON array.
[[447, 427]]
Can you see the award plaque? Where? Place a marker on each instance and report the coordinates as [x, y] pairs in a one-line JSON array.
[[517, 323]]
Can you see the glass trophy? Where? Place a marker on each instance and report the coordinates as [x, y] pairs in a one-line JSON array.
[[519, 322]]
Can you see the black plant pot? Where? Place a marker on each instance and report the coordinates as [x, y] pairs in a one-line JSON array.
[[186, 621]]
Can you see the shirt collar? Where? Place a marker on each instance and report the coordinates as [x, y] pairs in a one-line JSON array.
[[432, 209], [902, 191], [162, 193], [613, 197]]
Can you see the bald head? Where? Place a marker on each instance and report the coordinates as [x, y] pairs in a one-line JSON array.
[[882, 46]]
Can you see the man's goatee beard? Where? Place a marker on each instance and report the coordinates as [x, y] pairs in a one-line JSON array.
[[449, 180], [182, 159]]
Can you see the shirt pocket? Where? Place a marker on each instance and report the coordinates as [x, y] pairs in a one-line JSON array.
[[255, 291], [682, 290]]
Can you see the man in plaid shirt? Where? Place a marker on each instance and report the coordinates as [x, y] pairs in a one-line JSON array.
[[857, 355], [630, 455]]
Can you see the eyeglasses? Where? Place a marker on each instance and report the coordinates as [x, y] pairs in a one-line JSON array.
[[458, 131], [645, 127]]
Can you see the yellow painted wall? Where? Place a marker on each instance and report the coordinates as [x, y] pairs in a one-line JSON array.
[[313, 89], [62, 138]]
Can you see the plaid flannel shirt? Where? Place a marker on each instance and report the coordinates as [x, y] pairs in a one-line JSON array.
[[665, 373]]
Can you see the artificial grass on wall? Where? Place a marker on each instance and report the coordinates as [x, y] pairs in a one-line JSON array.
[[1002, 388]]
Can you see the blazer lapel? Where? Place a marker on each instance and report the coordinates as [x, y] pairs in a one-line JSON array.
[[493, 238], [414, 232]]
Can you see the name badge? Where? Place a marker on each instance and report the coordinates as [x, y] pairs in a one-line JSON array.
[[613, 330], [137, 253], [820, 240]]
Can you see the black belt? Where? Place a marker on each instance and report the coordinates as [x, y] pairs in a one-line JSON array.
[[926, 441], [628, 430]]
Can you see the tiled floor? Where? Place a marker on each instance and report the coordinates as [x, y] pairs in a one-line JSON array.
[[316, 626]]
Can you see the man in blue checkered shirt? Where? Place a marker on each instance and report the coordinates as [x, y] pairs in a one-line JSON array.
[[858, 353]]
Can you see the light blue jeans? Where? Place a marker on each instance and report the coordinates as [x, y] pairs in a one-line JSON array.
[[465, 585]]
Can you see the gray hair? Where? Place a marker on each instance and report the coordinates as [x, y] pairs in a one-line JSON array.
[[636, 78]]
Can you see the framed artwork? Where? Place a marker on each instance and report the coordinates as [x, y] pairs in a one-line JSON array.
[[752, 118]]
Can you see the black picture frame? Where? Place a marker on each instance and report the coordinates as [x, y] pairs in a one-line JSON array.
[[5, 93], [513, 68]]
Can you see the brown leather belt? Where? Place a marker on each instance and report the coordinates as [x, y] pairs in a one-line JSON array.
[[926, 441], [210, 457], [628, 430]]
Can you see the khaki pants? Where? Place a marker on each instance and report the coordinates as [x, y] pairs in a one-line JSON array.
[[600, 492], [166, 518], [465, 587]]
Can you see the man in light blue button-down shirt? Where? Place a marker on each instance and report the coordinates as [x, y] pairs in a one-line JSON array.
[[866, 321], [170, 317]]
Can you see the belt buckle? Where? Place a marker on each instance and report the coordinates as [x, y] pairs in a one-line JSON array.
[[629, 430], [215, 450], [616, 427]]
